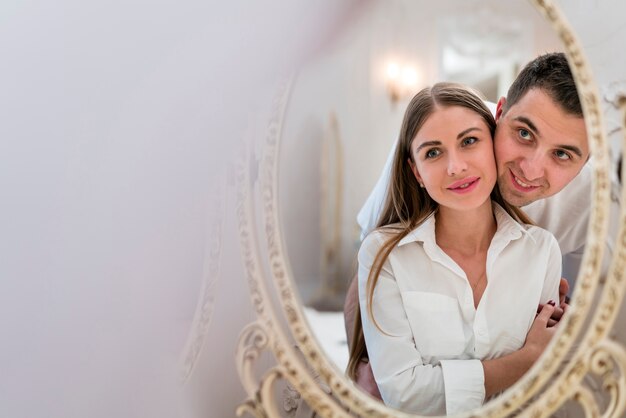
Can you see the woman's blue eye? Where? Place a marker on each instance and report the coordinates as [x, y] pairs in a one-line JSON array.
[[469, 141], [525, 134], [432, 153]]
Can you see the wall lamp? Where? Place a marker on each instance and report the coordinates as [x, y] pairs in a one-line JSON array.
[[401, 81]]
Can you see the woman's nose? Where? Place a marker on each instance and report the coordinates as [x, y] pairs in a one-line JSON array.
[[456, 164]]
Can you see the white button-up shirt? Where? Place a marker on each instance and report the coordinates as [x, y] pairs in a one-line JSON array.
[[428, 360]]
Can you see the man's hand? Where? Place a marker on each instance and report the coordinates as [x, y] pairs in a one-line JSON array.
[[563, 291], [365, 379]]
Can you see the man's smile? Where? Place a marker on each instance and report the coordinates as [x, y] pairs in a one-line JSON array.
[[521, 185]]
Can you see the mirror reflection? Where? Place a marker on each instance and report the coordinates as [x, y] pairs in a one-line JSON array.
[[459, 281]]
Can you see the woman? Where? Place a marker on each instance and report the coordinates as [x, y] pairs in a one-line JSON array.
[[450, 280]]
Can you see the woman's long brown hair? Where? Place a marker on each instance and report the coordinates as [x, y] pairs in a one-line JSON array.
[[406, 204]]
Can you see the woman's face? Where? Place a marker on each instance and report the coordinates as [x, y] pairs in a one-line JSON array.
[[453, 158]]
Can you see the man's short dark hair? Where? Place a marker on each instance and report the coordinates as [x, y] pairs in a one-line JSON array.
[[550, 73]]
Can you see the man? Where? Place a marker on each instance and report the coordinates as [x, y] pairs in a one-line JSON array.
[[541, 151]]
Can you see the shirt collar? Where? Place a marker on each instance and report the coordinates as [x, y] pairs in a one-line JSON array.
[[507, 228], [422, 233], [507, 225]]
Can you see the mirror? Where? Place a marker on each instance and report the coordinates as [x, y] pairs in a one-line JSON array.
[[343, 115]]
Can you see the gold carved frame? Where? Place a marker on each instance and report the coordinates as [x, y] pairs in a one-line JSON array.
[[583, 346]]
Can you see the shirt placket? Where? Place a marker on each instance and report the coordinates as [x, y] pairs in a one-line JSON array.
[[482, 338], [465, 295]]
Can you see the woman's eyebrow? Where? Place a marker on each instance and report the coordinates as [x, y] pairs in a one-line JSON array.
[[465, 132], [435, 142], [427, 144]]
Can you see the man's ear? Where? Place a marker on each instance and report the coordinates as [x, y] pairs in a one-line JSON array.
[[500, 107], [415, 172]]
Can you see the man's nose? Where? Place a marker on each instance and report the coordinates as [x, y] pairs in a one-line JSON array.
[[533, 166], [456, 164]]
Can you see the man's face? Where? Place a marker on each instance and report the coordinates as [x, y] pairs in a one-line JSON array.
[[539, 148]]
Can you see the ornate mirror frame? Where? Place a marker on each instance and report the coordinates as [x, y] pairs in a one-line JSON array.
[[582, 346]]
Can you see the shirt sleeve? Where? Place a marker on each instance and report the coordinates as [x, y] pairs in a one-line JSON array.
[[464, 385], [573, 258], [404, 380]]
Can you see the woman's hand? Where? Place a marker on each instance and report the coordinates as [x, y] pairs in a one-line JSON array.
[[563, 304], [541, 332], [502, 372]]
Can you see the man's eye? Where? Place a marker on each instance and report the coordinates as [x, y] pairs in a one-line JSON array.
[[525, 134], [469, 141], [432, 153], [562, 155]]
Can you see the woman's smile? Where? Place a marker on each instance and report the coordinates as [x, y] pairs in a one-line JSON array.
[[465, 185]]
